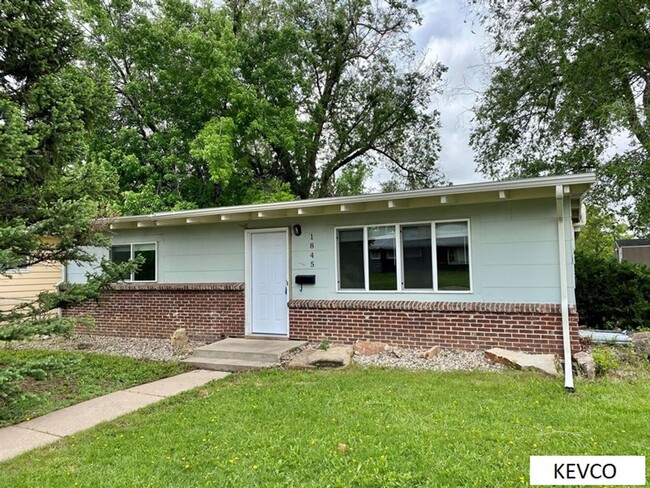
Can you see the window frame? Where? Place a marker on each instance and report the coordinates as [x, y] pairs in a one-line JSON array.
[[399, 257], [131, 245]]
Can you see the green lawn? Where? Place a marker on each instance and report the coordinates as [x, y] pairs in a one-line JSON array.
[[400, 428], [83, 376]]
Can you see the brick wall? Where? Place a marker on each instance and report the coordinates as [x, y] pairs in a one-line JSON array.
[[527, 327], [213, 310], [208, 311]]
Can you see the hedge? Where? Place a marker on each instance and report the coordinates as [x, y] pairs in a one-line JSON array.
[[610, 294]]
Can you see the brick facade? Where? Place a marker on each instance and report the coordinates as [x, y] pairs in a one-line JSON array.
[[460, 325], [208, 311], [215, 310]]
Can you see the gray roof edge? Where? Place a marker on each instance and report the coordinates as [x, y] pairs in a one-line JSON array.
[[467, 188]]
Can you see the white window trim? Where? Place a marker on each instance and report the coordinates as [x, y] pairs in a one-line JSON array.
[[399, 257], [155, 268]]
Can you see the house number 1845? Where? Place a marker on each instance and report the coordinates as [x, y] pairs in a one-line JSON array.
[[311, 250]]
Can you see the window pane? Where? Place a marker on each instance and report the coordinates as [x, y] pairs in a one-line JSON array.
[[120, 254], [147, 271], [452, 256], [416, 250], [351, 273], [383, 272]]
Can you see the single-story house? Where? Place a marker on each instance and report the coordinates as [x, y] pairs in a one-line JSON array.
[[633, 250], [465, 266], [25, 283]]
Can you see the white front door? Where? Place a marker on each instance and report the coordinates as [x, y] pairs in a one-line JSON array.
[[268, 283]]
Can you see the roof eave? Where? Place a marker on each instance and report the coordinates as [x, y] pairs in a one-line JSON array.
[[471, 193]]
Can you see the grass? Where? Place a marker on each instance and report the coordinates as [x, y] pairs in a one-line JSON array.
[[83, 376], [357, 427]]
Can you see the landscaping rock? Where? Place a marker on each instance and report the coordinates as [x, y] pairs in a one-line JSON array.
[[180, 340], [521, 360], [586, 363], [431, 353], [641, 341], [334, 357], [368, 348]]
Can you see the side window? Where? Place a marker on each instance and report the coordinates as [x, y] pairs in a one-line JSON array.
[[124, 252]]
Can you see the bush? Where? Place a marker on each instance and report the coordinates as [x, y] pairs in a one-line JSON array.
[[610, 294]]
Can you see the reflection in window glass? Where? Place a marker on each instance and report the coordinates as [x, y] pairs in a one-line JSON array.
[[452, 255], [125, 252], [416, 251], [351, 270], [121, 254], [147, 271], [382, 271]]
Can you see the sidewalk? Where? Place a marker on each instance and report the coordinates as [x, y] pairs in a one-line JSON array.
[[23, 437]]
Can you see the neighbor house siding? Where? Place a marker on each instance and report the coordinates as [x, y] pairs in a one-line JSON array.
[[25, 285]]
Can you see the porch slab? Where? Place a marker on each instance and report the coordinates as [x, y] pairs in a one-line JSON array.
[[252, 349], [240, 354]]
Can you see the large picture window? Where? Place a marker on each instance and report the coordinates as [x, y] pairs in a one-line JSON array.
[[400, 257], [125, 252]]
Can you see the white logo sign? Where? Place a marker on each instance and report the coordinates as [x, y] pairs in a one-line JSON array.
[[587, 470]]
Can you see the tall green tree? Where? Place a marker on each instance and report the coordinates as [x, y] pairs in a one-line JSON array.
[[571, 94], [50, 191], [338, 83], [172, 68], [259, 100]]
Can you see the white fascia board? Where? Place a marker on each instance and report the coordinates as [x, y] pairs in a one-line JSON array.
[[491, 186]]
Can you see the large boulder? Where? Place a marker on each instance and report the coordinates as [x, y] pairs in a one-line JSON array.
[[431, 353], [641, 341], [521, 360], [333, 357], [369, 348], [180, 341], [586, 364]]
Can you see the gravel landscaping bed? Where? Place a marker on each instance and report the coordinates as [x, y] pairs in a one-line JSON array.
[[161, 350], [139, 348], [446, 360]]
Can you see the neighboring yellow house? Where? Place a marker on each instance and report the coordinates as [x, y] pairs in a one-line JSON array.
[[24, 284]]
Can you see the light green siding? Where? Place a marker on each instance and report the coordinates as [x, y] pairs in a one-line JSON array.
[[513, 251]]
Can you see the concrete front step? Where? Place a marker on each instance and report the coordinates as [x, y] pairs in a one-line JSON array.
[[256, 350], [242, 354], [219, 364]]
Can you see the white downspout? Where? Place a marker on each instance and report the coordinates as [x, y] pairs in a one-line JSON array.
[[566, 336]]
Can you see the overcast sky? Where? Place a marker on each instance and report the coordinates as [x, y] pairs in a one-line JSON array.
[[450, 34]]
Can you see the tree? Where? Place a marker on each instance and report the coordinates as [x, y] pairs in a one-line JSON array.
[[171, 68], [597, 237], [50, 193], [340, 84], [259, 100], [574, 80]]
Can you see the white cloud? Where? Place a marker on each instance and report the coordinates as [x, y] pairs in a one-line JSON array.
[[450, 34]]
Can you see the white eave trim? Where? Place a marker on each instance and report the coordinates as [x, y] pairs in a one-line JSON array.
[[447, 195]]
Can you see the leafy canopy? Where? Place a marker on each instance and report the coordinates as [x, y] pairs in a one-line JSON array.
[[260, 100], [572, 94]]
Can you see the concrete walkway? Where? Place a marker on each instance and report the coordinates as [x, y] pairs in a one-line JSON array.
[[23, 437]]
